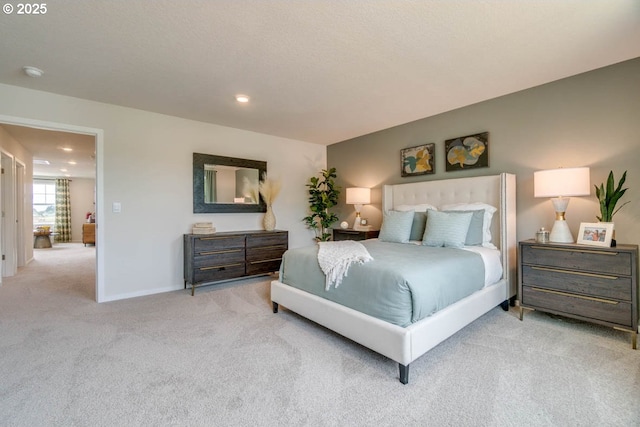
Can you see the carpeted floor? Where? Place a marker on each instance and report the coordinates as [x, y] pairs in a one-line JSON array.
[[222, 358]]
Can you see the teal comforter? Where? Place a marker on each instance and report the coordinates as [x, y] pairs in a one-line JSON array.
[[403, 284]]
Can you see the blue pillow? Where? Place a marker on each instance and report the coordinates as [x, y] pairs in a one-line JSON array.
[[446, 229], [419, 222], [396, 226], [474, 234]]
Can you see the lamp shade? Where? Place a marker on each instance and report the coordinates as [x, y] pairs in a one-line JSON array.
[[562, 182], [358, 196]]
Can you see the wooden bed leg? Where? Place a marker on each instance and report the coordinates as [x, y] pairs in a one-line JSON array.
[[275, 306], [512, 301], [404, 373], [505, 305]]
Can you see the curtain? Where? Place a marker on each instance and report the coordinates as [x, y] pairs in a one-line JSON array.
[[210, 195], [63, 211]]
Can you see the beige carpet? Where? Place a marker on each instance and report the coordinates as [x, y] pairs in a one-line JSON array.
[[222, 358]]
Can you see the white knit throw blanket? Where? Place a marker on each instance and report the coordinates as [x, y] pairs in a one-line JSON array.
[[335, 258]]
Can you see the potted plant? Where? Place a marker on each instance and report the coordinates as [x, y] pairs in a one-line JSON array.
[[323, 195], [608, 198]]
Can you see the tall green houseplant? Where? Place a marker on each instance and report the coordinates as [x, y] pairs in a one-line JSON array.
[[323, 195], [608, 197]]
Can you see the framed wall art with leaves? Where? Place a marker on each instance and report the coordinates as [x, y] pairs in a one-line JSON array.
[[467, 152], [418, 160]]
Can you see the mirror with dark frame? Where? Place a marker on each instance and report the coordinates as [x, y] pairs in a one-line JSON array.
[[227, 184]]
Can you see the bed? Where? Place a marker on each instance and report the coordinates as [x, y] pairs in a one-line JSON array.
[[402, 342]]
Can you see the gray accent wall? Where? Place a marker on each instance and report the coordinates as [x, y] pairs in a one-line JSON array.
[[592, 119]]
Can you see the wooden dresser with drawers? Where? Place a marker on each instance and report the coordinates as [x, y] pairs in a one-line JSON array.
[[211, 258], [595, 284]]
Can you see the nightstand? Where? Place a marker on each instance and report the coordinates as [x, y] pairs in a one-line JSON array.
[[594, 284], [351, 234]]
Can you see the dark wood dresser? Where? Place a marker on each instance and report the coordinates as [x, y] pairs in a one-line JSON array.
[[351, 234], [595, 284], [211, 258]]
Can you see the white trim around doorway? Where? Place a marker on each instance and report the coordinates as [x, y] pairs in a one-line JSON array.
[[99, 136]]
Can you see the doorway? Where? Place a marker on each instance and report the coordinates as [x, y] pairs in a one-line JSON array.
[[8, 203], [22, 191]]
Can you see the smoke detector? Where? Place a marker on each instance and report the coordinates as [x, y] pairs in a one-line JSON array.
[[33, 71]]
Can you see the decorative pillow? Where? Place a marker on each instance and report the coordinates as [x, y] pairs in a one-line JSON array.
[[446, 228], [474, 234], [417, 227], [419, 219], [396, 226], [486, 222]]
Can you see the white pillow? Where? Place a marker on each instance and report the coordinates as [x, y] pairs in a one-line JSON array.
[[446, 228], [486, 223], [423, 207]]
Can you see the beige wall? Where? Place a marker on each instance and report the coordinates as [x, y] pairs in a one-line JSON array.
[[587, 120], [82, 201], [144, 162]]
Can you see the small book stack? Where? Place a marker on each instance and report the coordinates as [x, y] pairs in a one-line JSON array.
[[203, 228]]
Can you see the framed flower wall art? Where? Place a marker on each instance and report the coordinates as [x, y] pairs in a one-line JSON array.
[[467, 152], [418, 160]]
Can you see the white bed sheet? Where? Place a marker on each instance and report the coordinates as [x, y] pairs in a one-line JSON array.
[[492, 263]]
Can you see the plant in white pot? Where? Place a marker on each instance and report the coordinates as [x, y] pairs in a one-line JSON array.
[[608, 197]]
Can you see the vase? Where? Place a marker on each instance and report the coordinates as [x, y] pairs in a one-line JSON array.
[[269, 220]]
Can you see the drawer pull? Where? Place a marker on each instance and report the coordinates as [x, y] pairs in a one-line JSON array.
[[577, 273], [269, 247], [566, 294], [217, 238], [576, 250], [219, 267], [265, 260], [230, 251]]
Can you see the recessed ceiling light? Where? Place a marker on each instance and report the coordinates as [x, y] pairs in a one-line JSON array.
[[242, 98], [41, 162], [67, 149], [71, 162], [33, 71], [63, 170]]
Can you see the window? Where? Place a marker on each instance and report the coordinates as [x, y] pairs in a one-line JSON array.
[[44, 203]]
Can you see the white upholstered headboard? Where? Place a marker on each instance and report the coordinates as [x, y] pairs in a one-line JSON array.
[[496, 190]]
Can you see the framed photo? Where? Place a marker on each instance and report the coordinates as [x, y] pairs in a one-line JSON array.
[[595, 233], [418, 160], [467, 152]]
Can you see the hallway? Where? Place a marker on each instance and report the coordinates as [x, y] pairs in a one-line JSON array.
[[65, 273]]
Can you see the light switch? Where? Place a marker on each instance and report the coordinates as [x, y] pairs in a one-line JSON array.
[[116, 207]]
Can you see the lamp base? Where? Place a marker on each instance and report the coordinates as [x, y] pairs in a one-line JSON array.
[[560, 232], [358, 220]]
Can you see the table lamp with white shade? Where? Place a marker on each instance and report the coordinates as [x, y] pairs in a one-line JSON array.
[[358, 196], [560, 184]]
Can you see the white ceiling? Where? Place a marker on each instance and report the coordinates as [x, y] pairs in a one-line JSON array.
[[320, 71], [47, 145]]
